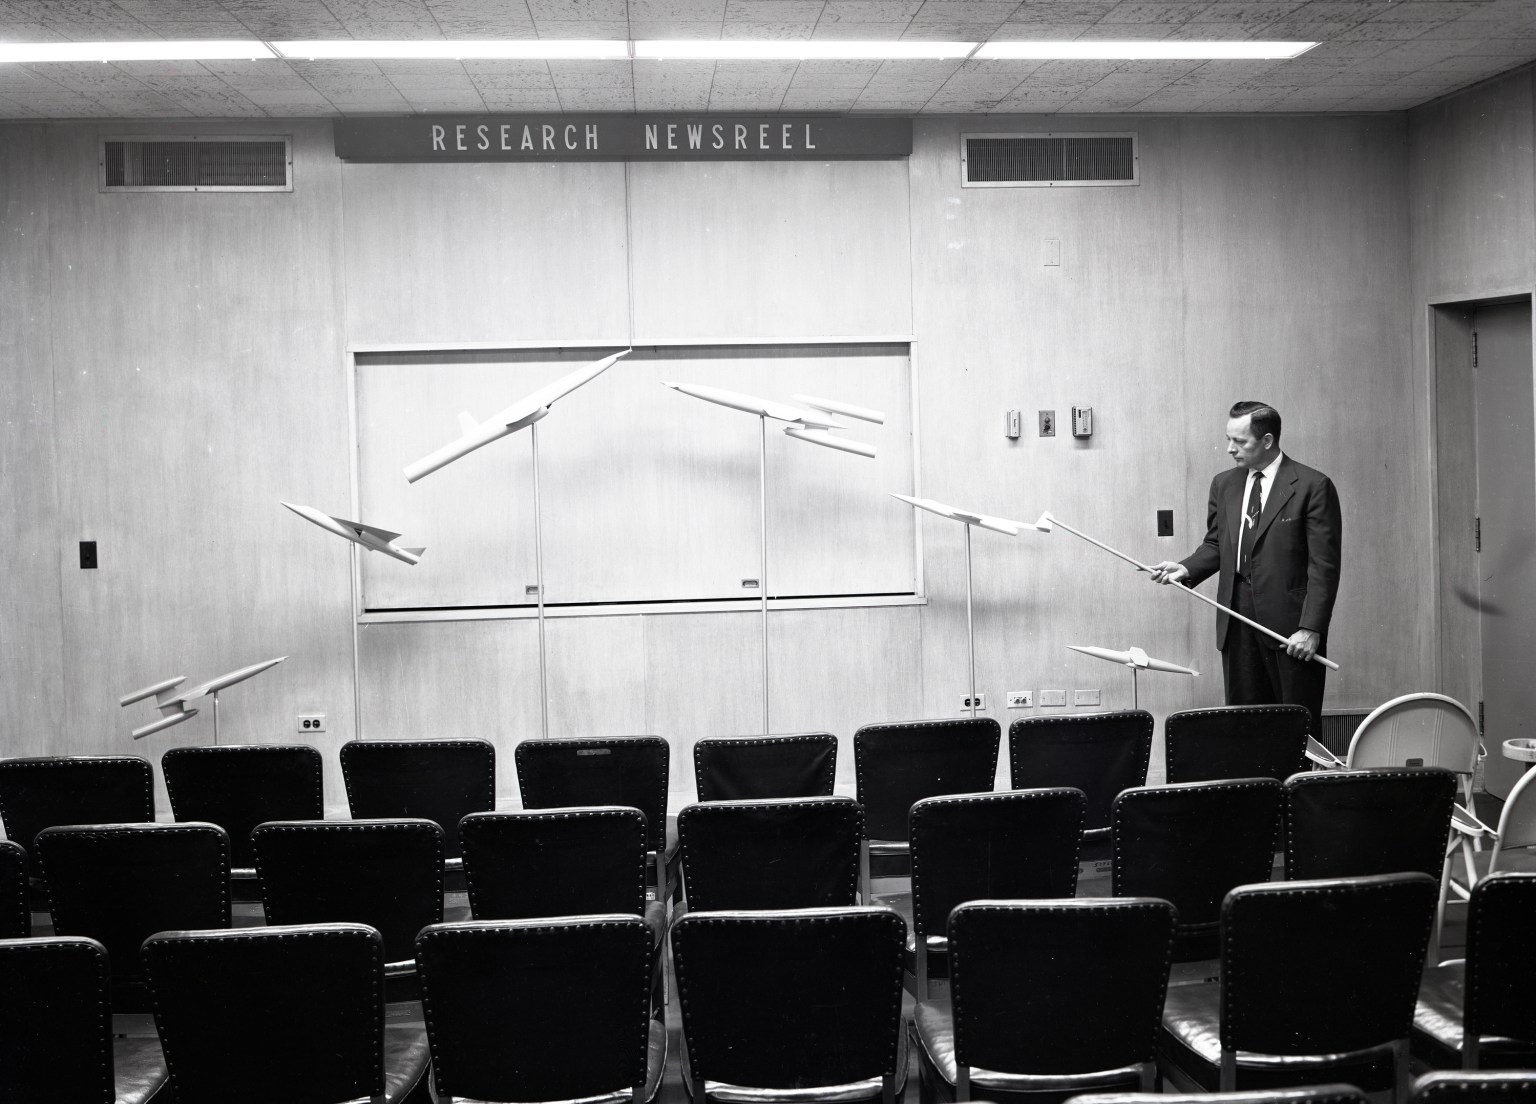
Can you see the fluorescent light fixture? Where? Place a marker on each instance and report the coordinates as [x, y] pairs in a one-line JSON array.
[[455, 49], [798, 50], [232, 49], [1096, 50]]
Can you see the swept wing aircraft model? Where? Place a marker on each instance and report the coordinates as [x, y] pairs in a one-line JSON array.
[[370, 537], [811, 421]]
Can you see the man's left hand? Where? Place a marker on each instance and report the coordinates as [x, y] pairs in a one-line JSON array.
[[1303, 644]]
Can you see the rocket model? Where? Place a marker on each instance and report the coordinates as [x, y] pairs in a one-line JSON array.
[[986, 521], [520, 414], [1134, 658], [371, 538], [811, 421], [172, 702]]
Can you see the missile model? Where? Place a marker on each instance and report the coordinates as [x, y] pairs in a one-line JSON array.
[[519, 415], [370, 537], [172, 702], [811, 421], [986, 521], [1134, 658]]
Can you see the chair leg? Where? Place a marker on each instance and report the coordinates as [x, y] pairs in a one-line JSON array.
[[1228, 1081], [1469, 1053], [922, 966], [637, 1094], [1149, 1077], [887, 1089], [1400, 1067], [864, 879], [962, 1083]]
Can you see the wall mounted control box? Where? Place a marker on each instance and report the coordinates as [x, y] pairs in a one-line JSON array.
[[1082, 421]]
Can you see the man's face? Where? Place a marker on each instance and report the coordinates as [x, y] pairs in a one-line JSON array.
[[1245, 450]]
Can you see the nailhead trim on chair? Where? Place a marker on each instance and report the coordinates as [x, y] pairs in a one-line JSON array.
[[19, 906], [67, 761], [346, 771], [658, 832], [1170, 725], [1024, 724], [72, 945], [1153, 793], [1342, 778], [819, 738], [574, 812], [241, 749], [707, 809]]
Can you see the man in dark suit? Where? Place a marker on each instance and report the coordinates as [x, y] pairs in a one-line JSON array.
[[1274, 532]]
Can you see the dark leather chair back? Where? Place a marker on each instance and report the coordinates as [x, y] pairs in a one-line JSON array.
[[828, 1012], [1098, 753], [897, 765], [798, 852], [73, 789], [747, 768], [238, 786], [1501, 959], [1236, 741], [1013, 845], [1376, 931], [1192, 843], [1348, 823], [15, 898], [625, 770], [1310, 1094], [254, 1015], [1058, 987], [1475, 1088], [555, 862], [387, 874], [121, 883], [436, 780], [55, 1020], [537, 1009]]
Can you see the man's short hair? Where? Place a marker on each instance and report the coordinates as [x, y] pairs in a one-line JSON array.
[[1266, 419]]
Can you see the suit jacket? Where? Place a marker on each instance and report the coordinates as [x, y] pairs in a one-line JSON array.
[[1294, 570]]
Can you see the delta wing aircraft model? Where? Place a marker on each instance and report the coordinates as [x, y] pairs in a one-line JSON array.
[[811, 421], [954, 513], [1137, 660], [172, 702], [370, 537]]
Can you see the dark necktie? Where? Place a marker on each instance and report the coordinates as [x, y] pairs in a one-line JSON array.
[[1250, 522]]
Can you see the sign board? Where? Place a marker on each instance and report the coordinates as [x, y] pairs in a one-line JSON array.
[[657, 137]]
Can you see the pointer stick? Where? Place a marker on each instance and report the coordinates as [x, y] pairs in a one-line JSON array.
[[1052, 519]]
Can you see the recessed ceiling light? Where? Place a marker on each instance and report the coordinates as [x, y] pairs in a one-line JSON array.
[[453, 49], [155, 50], [1095, 50], [799, 49]]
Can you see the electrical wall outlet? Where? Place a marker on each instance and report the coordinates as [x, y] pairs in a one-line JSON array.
[[981, 702], [1021, 699], [1047, 423], [311, 722], [1053, 697], [1085, 697]]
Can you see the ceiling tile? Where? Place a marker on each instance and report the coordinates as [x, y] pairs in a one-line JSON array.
[[596, 11], [870, 11], [771, 31], [1043, 32], [676, 11], [660, 30], [875, 32], [773, 11], [582, 29], [389, 10], [1119, 32]]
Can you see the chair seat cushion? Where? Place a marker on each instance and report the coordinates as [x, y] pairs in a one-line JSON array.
[[655, 1063], [406, 1053], [138, 1068], [933, 1023], [868, 1089], [1437, 1026], [1190, 1042]]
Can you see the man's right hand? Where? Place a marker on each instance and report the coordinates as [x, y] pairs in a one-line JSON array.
[[1169, 572]]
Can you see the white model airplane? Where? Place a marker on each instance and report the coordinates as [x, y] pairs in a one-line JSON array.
[[1134, 658], [812, 421], [371, 538], [986, 521], [173, 702], [522, 413]]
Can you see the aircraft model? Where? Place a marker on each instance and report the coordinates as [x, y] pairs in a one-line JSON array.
[[375, 540], [173, 703], [519, 415], [1134, 657], [986, 521], [812, 421]]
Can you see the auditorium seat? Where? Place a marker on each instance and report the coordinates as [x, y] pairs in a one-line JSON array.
[[1318, 983], [121, 883], [1510, 846], [1475, 1088], [73, 789], [625, 770], [1190, 843], [741, 768], [825, 1015], [1011, 845], [1048, 999], [1347, 823], [293, 1014], [15, 900], [1236, 741], [1098, 753], [1309, 1094], [56, 1038], [536, 1010], [238, 786], [1419, 730], [387, 874], [436, 780], [1481, 1011], [784, 853], [898, 764]]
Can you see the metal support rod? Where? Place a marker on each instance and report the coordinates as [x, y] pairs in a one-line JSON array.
[[970, 629], [215, 696], [538, 570], [762, 565], [357, 683], [1135, 688]]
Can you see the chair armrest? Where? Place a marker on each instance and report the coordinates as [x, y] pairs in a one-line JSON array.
[[1468, 825], [1321, 755]]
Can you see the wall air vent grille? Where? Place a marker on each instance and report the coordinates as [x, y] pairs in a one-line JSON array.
[[197, 164], [1047, 160]]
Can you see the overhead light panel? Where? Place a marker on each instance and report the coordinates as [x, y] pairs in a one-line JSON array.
[[1096, 50], [799, 50], [227, 49], [457, 49]]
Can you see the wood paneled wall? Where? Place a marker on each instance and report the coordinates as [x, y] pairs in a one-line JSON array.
[[184, 371]]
